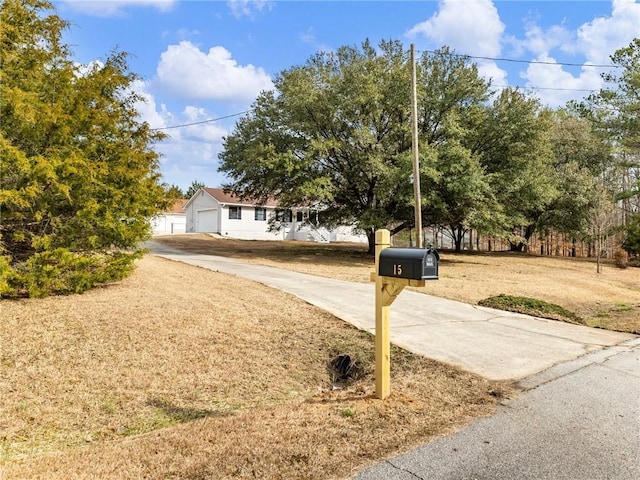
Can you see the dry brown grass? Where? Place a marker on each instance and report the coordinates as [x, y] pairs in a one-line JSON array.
[[608, 300], [180, 372]]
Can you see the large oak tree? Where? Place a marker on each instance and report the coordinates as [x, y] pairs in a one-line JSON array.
[[335, 133]]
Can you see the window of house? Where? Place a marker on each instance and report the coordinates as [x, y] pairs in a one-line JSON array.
[[299, 217], [261, 214], [285, 216], [235, 213]]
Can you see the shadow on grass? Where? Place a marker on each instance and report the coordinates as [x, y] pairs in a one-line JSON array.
[[185, 414], [278, 251]]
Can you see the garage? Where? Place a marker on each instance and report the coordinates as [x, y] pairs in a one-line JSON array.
[[169, 224], [207, 220]]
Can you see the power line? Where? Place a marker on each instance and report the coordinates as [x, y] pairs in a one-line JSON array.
[[548, 88], [536, 62], [204, 121], [493, 85], [427, 51], [497, 86]]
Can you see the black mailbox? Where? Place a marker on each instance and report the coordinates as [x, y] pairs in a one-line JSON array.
[[412, 263]]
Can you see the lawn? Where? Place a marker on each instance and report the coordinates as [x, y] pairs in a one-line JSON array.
[[183, 373], [608, 300]]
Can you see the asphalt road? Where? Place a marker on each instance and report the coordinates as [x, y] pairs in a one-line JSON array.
[[579, 420]]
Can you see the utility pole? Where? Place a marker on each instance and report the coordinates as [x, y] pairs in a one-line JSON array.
[[416, 153]]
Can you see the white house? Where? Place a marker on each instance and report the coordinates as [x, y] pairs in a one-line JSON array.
[[211, 210], [174, 220]]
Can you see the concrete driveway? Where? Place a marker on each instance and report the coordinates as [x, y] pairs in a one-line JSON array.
[[494, 344]]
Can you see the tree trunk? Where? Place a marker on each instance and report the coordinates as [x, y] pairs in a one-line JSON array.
[[516, 247], [458, 244], [598, 254], [458, 236], [371, 237]]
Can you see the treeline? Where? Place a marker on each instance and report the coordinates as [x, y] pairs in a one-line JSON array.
[[336, 133]]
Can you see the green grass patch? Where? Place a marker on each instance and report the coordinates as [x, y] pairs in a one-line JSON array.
[[621, 307], [530, 306]]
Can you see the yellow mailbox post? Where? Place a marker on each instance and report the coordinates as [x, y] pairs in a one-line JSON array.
[[396, 268]]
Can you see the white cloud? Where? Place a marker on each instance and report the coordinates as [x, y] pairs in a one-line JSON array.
[[309, 36], [539, 41], [210, 132], [472, 27], [83, 70], [562, 85], [147, 107], [191, 152], [247, 8], [600, 38], [490, 71], [110, 8], [191, 73], [188, 153], [594, 41]]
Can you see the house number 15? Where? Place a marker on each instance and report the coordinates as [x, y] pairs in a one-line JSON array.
[[397, 269]]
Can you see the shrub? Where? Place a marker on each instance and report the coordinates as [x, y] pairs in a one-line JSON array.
[[621, 258], [7, 277], [61, 272], [530, 306], [80, 175]]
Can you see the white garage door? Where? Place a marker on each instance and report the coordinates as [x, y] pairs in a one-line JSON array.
[[178, 224], [207, 221]]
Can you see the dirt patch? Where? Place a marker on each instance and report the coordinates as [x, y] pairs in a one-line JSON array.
[[607, 300], [180, 372]]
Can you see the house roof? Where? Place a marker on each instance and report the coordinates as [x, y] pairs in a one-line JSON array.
[[178, 206], [229, 198]]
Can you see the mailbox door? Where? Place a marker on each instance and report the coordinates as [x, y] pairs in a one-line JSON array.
[[430, 266], [431, 261]]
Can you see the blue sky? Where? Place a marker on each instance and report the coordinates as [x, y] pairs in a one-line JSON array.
[[200, 60]]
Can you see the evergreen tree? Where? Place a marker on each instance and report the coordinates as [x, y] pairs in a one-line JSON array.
[[614, 113], [193, 188], [174, 192], [79, 180]]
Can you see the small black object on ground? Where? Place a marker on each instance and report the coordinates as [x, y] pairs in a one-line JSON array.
[[343, 367]]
